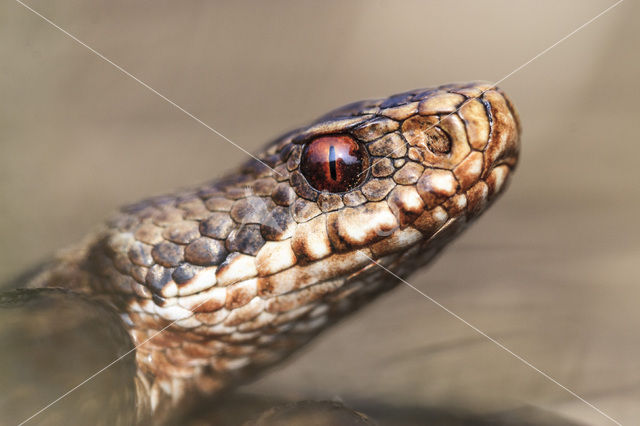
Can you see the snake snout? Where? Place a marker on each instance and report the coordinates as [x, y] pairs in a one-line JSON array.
[[466, 138], [503, 142]]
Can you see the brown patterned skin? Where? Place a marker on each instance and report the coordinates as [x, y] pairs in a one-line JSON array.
[[245, 270]]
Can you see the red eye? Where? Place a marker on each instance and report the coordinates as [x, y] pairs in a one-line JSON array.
[[334, 163]]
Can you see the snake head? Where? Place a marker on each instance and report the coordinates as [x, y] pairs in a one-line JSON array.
[[371, 179], [375, 179], [403, 166]]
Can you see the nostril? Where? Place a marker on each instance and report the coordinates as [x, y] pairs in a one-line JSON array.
[[437, 141]]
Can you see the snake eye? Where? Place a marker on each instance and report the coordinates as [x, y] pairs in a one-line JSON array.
[[334, 163]]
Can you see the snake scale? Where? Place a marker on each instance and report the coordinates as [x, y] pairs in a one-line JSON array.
[[219, 282]]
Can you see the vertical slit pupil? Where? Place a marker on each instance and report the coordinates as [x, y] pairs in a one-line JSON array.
[[332, 162]]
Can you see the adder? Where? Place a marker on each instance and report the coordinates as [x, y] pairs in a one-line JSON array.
[[217, 283]]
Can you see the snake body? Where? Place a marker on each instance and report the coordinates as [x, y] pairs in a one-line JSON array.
[[219, 282]]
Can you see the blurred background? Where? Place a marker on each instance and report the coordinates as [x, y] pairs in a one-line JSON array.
[[551, 271]]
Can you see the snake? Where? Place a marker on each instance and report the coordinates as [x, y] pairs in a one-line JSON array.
[[217, 283]]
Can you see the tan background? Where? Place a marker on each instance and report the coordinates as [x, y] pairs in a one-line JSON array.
[[551, 271]]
